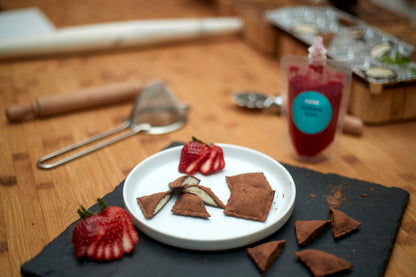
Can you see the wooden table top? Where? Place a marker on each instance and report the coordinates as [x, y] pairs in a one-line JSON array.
[[37, 205]]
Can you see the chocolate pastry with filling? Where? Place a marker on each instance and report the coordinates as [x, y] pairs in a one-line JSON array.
[[206, 194], [182, 181], [152, 204], [255, 179], [321, 263], [189, 204], [308, 230], [341, 223], [264, 255], [249, 202]]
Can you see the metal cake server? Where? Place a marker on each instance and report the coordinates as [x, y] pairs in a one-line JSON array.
[[255, 100]]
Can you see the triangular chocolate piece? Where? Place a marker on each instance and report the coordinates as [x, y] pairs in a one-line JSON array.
[[186, 180], [307, 231], [206, 194], [264, 255], [152, 204], [189, 204], [321, 263], [341, 223]]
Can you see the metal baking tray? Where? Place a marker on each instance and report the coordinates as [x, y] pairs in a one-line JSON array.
[[353, 41]]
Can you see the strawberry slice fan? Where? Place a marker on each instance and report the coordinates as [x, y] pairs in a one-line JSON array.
[[105, 235], [197, 155]]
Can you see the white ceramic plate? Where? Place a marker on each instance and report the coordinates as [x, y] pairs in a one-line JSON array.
[[219, 232]]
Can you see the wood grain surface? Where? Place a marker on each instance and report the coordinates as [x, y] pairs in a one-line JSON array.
[[37, 205]]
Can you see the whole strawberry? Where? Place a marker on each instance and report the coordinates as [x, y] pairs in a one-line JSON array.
[[197, 155], [105, 235]]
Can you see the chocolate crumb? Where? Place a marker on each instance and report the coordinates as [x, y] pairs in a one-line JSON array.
[[335, 198]]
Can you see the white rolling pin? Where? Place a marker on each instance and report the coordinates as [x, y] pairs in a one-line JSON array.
[[118, 35]]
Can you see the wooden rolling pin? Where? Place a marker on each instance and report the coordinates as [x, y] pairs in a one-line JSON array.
[[82, 99]]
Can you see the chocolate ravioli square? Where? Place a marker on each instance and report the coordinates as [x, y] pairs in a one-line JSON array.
[[255, 179], [249, 202]]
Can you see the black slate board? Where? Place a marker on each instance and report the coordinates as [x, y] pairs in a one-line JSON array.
[[380, 209]]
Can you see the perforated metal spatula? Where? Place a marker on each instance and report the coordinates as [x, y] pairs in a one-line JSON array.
[[156, 111], [256, 100]]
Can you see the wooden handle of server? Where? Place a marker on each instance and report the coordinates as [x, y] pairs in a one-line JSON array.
[[352, 125], [82, 99]]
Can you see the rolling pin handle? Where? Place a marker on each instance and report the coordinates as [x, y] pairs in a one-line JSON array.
[[19, 112], [81, 99]]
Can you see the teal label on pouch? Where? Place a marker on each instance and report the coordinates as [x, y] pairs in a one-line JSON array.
[[311, 112]]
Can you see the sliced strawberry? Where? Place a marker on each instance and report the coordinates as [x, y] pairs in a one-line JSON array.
[[128, 235], [220, 163], [193, 155], [198, 155], [108, 241], [84, 234], [112, 242], [100, 252], [208, 166], [106, 235], [195, 165], [94, 247]]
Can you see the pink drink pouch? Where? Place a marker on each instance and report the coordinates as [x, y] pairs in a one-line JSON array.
[[315, 95]]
